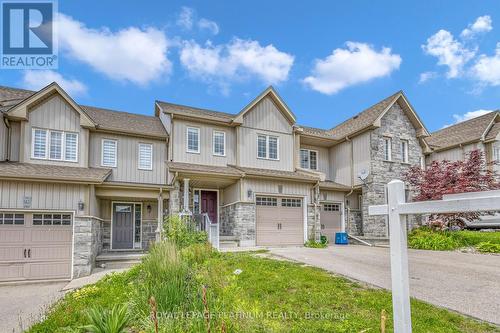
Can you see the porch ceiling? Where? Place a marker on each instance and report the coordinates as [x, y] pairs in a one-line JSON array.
[[129, 193], [207, 181]]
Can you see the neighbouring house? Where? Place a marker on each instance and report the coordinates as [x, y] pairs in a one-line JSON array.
[[77, 181], [452, 143]]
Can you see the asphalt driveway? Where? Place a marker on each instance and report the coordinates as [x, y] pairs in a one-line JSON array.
[[464, 282]]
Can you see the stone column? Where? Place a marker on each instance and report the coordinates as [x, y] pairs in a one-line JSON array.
[[317, 221], [185, 209], [87, 244], [174, 201], [159, 227]]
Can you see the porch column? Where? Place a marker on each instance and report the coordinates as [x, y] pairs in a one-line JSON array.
[[159, 228], [186, 196]]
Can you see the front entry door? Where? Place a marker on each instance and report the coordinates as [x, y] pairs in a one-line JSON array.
[[123, 226], [209, 204]]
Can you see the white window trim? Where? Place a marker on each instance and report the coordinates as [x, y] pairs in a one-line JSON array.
[[197, 129], [116, 153], [213, 143], [388, 139], [309, 160], [139, 156], [404, 155], [267, 147], [47, 145]]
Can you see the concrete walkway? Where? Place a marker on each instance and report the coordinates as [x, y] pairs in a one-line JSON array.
[[464, 282], [22, 305]]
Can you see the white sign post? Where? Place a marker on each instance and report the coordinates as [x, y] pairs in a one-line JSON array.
[[397, 209]]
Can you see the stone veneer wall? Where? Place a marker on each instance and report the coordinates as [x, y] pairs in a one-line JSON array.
[[311, 227], [354, 222], [395, 124], [148, 233], [238, 220], [87, 244]]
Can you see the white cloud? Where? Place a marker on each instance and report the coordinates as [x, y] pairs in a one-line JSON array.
[[37, 79], [211, 26], [237, 60], [426, 76], [131, 54], [358, 63], [449, 51], [482, 24], [487, 69], [185, 19], [467, 116]]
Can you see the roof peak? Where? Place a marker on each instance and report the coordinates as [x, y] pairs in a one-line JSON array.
[[465, 122]]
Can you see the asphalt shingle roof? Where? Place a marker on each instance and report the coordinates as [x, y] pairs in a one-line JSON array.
[[466, 131], [52, 172], [197, 112]]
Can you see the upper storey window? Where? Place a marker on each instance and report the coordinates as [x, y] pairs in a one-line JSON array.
[[109, 153], [54, 145], [309, 159], [387, 149], [219, 141], [267, 147], [145, 156], [193, 140], [404, 151]]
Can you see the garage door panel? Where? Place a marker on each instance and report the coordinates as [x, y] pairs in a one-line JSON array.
[[12, 272], [11, 253], [48, 270], [52, 235], [50, 253], [11, 235]]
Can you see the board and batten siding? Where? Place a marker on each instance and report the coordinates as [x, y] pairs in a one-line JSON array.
[[54, 114], [328, 195], [127, 164], [15, 140], [266, 115], [361, 154], [455, 154], [271, 187], [340, 163], [205, 156], [323, 158], [44, 196], [3, 139], [231, 194]]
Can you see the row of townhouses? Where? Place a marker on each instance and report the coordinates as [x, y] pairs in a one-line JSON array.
[[77, 181]]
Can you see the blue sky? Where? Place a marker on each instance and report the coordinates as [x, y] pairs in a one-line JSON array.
[[328, 59]]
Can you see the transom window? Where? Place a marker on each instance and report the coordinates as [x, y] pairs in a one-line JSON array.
[[54, 145], [193, 140], [309, 159], [331, 207], [109, 153], [267, 147], [404, 151], [291, 202], [51, 219], [266, 201], [387, 149], [145, 156], [219, 143], [11, 219]]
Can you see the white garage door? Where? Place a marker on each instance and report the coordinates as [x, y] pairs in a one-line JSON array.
[[279, 221], [35, 246], [331, 220]]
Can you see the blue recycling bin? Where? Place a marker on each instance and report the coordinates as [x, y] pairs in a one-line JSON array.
[[341, 238]]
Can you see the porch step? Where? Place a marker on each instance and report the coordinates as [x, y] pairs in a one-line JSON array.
[[374, 241], [228, 242], [117, 260]]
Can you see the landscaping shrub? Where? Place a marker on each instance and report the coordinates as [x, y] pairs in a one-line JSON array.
[[315, 245], [182, 232], [107, 321], [488, 247], [425, 238]]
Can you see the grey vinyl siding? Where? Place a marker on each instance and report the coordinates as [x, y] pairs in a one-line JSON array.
[[15, 140], [326, 195], [361, 154], [127, 159], [3, 139], [105, 209], [54, 114], [265, 115], [248, 150], [261, 186], [231, 194], [340, 163], [205, 156], [44, 196], [323, 158], [454, 154]]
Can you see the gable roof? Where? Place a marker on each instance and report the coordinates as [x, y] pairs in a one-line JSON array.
[[475, 129], [190, 111], [123, 122], [280, 103]]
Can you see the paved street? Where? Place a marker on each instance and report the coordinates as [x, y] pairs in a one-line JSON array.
[[464, 282]]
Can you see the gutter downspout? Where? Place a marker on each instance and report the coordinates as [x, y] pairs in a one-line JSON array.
[[9, 133], [317, 231], [352, 184]]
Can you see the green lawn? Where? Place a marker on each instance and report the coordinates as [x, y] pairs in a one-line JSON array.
[[267, 296], [427, 239]]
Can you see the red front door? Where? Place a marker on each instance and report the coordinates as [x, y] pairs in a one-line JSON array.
[[209, 204]]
